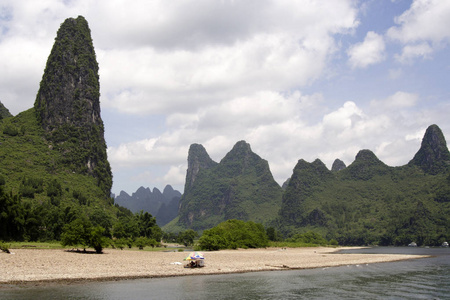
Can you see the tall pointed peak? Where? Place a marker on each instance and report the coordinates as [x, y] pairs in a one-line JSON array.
[[366, 166], [68, 102], [198, 159], [366, 156], [69, 91], [241, 149], [433, 156], [168, 189], [338, 165]]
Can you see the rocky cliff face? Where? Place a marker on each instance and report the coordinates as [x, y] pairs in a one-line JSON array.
[[4, 112], [338, 165], [305, 179], [68, 106], [241, 187], [433, 156], [198, 159]]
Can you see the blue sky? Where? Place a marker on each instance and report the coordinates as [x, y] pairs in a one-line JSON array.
[[295, 79]]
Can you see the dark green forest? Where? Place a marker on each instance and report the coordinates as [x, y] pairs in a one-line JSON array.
[[370, 203]]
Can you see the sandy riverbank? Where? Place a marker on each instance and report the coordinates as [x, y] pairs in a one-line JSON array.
[[26, 265]]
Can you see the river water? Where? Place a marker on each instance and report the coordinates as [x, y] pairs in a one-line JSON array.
[[427, 278]]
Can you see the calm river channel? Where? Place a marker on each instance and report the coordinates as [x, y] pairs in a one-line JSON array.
[[427, 278]]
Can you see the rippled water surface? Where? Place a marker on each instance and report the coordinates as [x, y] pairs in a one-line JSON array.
[[414, 279]]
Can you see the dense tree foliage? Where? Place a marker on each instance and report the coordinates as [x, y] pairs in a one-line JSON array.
[[233, 234], [368, 203], [187, 237]]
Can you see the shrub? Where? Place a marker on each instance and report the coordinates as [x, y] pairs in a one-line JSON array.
[[120, 243], [10, 130], [4, 247], [141, 242], [233, 234]]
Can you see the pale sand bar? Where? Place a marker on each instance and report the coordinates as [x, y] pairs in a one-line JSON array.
[[26, 265]]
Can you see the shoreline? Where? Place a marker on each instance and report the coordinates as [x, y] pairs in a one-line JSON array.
[[44, 267]]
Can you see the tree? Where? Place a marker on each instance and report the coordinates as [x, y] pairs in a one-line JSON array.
[[82, 232], [12, 216], [76, 233], [234, 234], [97, 240], [187, 237], [147, 226]]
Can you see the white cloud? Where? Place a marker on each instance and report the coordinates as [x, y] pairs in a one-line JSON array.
[[395, 73], [161, 56], [410, 52], [175, 176], [422, 29], [369, 52], [425, 20], [394, 102], [279, 130], [235, 70]]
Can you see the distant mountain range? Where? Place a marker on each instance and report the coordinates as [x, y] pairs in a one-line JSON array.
[[54, 169], [164, 206], [367, 202]]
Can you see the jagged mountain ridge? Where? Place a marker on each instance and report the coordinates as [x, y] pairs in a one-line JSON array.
[[370, 202], [241, 187], [164, 206], [367, 202]]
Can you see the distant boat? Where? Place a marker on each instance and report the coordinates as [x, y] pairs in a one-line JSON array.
[[413, 244], [444, 244]]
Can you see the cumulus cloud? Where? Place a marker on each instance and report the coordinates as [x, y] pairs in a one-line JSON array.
[[368, 52], [229, 71], [422, 29], [279, 130], [410, 52], [160, 56], [396, 101]]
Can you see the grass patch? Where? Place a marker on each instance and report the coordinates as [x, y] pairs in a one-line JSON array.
[[36, 245], [292, 245]]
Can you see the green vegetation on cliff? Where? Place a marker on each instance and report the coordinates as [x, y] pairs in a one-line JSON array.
[[55, 177], [4, 112], [67, 104], [371, 203], [240, 187]]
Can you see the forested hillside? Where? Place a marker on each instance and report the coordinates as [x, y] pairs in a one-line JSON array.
[[371, 203], [55, 178], [240, 187]]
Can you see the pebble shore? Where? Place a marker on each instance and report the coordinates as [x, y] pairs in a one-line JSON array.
[[34, 265]]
